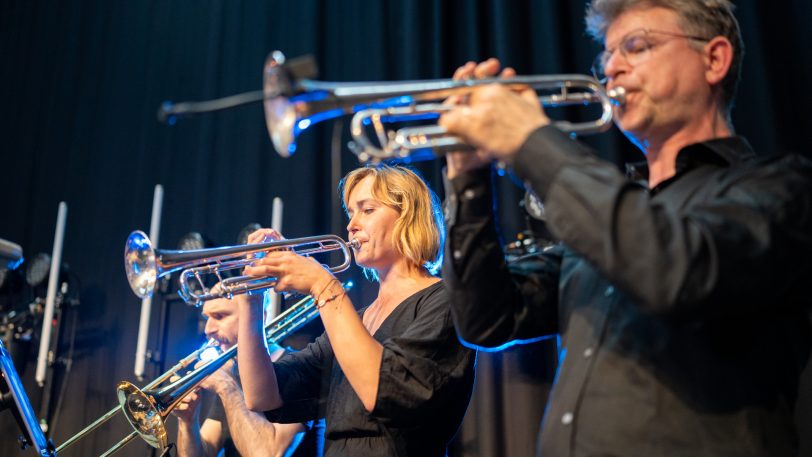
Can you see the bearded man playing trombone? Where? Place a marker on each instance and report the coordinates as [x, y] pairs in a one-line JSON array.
[[229, 425], [681, 304]]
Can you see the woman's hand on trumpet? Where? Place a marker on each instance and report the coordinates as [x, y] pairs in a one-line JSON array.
[[494, 118], [293, 271]]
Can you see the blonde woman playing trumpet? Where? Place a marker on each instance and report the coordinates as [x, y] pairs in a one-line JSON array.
[[392, 378]]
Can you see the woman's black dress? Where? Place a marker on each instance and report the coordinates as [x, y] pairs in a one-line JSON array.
[[425, 384]]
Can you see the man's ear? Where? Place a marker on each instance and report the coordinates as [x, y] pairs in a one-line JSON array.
[[718, 59]]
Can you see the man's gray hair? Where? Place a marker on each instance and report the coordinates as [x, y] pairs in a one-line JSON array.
[[705, 18]]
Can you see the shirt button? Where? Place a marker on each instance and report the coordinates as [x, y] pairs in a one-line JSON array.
[[468, 194], [587, 353], [566, 419], [609, 291], [457, 255]]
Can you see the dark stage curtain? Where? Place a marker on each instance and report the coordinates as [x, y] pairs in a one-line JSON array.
[[81, 84]]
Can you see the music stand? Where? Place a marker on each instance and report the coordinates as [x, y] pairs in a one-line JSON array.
[[14, 397]]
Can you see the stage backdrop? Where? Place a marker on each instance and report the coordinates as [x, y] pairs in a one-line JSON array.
[[82, 81]]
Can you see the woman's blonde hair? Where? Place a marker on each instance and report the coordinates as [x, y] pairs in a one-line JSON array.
[[419, 231]]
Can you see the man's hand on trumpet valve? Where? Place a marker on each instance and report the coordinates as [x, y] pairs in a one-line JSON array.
[[493, 118], [466, 160]]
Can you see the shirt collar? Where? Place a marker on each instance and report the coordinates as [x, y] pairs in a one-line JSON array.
[[719, 151]]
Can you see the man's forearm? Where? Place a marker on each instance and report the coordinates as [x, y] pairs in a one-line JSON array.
[[190, 442], [252, 433]]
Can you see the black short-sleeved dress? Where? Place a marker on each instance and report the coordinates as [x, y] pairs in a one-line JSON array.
[[425, 384]]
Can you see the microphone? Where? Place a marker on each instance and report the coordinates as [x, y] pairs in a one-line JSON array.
[[169, 111], [288, 75]]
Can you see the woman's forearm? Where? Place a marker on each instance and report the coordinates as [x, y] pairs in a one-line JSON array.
[[254, 363]]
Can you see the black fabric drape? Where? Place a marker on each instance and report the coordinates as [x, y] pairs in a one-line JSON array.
[[82, 81]]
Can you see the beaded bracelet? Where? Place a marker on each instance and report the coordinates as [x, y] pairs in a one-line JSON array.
[[321, 303], [326, 286]]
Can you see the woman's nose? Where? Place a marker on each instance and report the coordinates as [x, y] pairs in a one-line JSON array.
[[352, 225]]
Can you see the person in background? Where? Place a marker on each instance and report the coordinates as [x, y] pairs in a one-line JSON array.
[[229, 428]]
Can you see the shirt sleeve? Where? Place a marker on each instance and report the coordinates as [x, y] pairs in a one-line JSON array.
[[710, 256], [493, 303], [303, 381], [423, 367]]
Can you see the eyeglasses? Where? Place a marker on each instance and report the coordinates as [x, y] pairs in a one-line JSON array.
[[636, 48]]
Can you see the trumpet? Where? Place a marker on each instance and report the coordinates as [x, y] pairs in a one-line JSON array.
[[147, 408], [145, 265], [292, 104]]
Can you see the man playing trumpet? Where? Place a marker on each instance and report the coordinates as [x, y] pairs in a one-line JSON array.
[[681, 304]]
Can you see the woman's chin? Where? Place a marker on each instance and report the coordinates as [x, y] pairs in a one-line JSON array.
[[364, 262], [361, 261]]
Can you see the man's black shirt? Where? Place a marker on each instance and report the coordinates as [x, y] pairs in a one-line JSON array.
[[682, 309]]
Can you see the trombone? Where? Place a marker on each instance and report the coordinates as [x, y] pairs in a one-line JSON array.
[[145, 265], [146, 409]]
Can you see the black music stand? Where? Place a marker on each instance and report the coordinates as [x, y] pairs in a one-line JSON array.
[[13, 396]]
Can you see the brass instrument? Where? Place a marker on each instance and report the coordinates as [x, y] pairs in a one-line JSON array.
[[145, 265], [147, 408], [293, 103], [185, 362]]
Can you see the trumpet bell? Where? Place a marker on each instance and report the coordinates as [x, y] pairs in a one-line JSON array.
[[283, 115], [280, 118], [140, 264]]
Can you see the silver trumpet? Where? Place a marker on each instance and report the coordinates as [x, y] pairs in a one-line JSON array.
[[293, 104], [145, 265]]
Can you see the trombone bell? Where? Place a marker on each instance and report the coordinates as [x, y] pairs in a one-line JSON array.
[[143, 414]]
